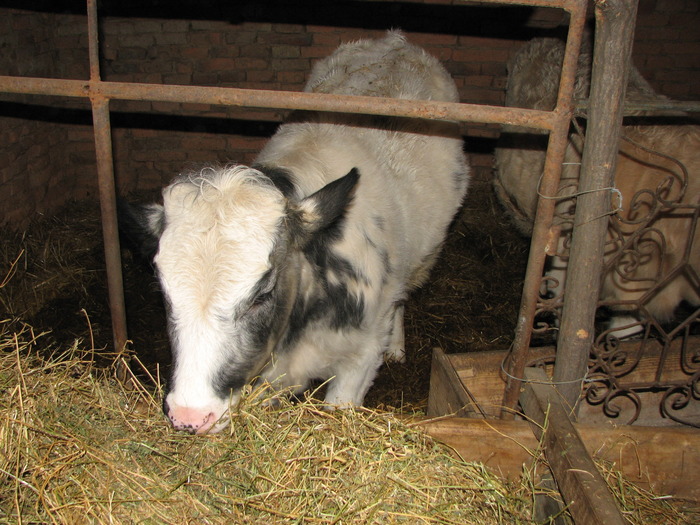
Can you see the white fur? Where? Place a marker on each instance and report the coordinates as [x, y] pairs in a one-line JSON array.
[[220, 232], [208, 256]]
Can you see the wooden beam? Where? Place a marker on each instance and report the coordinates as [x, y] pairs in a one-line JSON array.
[[665, 461], [481, 375], [447, 393], [583, 488], [614, 33]]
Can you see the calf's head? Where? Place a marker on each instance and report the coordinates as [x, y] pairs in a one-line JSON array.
[[225, 244]]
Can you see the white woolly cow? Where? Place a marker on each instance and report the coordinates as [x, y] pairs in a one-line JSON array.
[[297, 268], [654, 198]]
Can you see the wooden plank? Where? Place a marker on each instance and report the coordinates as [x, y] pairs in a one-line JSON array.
[[663, 460], [582, 486], [502, 445], [481, 374], [447, 393]]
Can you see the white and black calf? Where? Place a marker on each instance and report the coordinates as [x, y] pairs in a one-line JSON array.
[[297, 268]]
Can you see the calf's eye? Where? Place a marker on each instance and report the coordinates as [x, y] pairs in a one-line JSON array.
[[262, 298]]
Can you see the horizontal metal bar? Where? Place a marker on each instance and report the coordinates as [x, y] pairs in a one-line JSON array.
[[659, 108], [427, 109], [563, 4]]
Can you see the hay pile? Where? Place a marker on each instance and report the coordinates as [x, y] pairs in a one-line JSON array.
[[76, 446]]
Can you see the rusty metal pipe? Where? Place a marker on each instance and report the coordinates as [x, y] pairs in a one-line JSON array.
[[107, 192], [541, 235], [427, 109], [101, 92], [108, 210]]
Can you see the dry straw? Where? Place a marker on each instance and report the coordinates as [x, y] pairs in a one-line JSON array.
[[76, 446]]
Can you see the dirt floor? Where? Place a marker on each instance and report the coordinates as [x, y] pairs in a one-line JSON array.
[[470, 303]]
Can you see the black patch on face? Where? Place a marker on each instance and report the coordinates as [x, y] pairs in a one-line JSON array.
[[263, 291], [235, 374], [332, 302], [282, 179], [257, 325], [261, 320], [258, 320]]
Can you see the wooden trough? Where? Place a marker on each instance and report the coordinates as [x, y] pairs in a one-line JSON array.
[[466, 393]]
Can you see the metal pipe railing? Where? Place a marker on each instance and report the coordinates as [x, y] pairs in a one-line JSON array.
[[253, 98], [107, 191], [556, 122], [543, 234]]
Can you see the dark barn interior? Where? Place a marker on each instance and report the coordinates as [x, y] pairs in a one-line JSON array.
[[82, 441], [50, 211]]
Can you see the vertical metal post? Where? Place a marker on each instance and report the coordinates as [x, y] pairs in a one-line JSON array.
[[615, 22], [105, 174], [542, 234]]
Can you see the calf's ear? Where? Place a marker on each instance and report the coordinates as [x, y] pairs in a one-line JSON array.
[[324, 210], [140, 226]]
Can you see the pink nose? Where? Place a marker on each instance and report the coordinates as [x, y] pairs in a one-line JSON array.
[[192, 420]]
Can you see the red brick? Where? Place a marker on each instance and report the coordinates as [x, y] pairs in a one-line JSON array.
[[220, 64], [204, 79], [182, 79], [480, 55], [291, 64], [176, 26], [285, 52], [196, 53], [288, 28], [255, 51], [295, 79], [232, 77], [314, 29], [303, 39], [443, 54], [330, 40], [316, 52], [240, 37], [247, 64], [265, 75], [165, 107], [206, 25]]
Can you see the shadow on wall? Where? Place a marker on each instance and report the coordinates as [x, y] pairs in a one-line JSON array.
[[409, 16]]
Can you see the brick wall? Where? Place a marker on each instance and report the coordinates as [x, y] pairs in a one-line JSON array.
[[48, 155], [31, 158], [667, 46]]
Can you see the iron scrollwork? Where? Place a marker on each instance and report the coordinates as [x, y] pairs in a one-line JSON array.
[[640, 267]]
